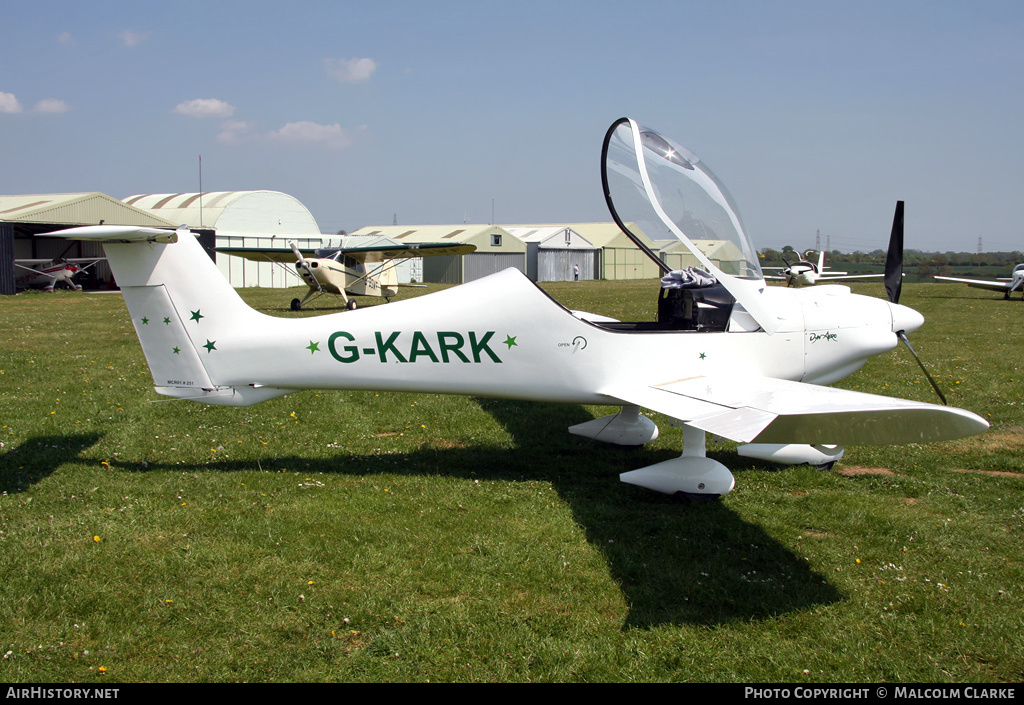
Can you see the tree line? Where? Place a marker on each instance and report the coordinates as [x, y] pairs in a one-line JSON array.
[[924, 264]]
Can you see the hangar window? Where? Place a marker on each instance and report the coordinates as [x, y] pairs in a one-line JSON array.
[[495, 239]]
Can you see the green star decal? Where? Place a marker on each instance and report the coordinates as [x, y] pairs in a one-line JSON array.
[[145, 321], [177, 350], [210, 345], [167, 321], [510, 340], [196, 316], [703, 355], [313, 347]]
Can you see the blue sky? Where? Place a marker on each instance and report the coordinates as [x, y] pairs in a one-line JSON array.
[[816, 115]]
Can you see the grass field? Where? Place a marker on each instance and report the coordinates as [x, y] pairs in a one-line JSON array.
[[348, 536]]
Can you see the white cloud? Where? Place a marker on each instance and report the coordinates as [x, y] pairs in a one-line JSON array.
[[205, 107], [8, 103], [306, 132], [234, 131], [350, 70], [131, 38], [51, 105]]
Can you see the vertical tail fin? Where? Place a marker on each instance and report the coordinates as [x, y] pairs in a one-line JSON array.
[[182, 307]]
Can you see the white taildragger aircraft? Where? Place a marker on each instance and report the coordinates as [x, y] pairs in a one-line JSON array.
[[730, 356], [355, 271], [803, 272], [1015, 282]]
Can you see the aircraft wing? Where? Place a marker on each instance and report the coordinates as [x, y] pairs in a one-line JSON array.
[[768, 410], [979, 283], [426, 249], [840, 276], [87, 261], [362, 254], [264, 254]]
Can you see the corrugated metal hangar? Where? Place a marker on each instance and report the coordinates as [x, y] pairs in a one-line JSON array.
[[241, 219], [556, 253], [547, 252], [21, 217], [496, 249]]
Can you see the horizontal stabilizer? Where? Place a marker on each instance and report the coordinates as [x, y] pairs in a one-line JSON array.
[[118, 233]]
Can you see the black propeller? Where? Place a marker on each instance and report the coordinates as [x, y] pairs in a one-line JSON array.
[[894, 257], [894, 284]]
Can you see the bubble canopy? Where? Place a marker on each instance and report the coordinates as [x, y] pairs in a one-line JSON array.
[[659, 187]]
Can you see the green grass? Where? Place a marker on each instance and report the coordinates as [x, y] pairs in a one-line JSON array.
[[348, 536]]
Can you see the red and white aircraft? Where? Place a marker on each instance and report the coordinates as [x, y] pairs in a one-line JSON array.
[[47, 273]]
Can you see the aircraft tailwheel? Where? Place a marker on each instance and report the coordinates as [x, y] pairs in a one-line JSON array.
[[351, 305], [296, 304]]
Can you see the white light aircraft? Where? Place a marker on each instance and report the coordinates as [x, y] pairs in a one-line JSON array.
[[1015, 282], [349, 271], [729, 356], [48, 273], [806, 273]]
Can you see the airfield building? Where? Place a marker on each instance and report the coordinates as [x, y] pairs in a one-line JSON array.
[[496, 249], [24, 217], [553, 252], [241, 219]]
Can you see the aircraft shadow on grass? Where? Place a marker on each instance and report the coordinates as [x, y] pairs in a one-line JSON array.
[[669, 559], [38, 458], [672, 568]]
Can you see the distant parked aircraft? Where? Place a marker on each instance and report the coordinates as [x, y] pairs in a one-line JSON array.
[[47, 273], [347, 271], [807, 273], [1015, 282]]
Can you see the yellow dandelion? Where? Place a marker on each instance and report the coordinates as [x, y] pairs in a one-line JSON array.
[[97, 539]]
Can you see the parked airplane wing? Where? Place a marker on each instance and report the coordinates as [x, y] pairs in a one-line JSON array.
[[427, 249], [769, 410], [362, 254], [264, 254], [979, 283]]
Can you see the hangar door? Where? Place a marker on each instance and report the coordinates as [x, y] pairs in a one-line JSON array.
[[557, 265], [480, 264]]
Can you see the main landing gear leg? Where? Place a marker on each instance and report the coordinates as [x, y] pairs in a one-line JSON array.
[[693, 475]]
